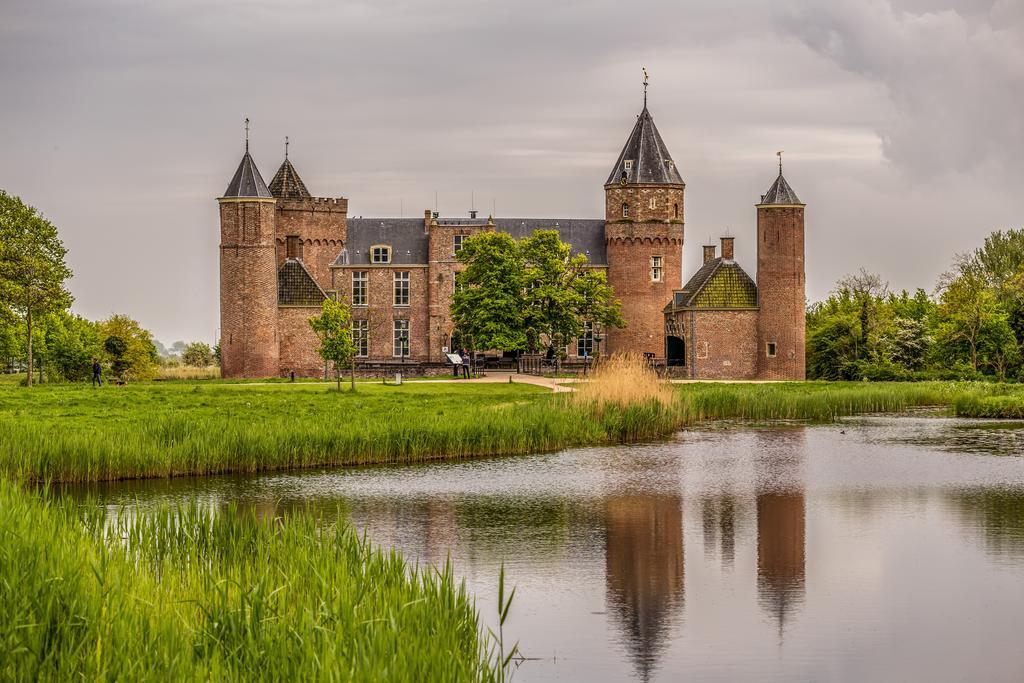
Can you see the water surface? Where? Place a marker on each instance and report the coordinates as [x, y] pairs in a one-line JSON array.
[[880, 548]]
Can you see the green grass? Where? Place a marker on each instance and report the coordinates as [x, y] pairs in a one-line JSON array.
[[193, 594], [1008, 406], [67, 433]]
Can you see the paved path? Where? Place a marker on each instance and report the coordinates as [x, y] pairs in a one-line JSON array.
[[554, 384]]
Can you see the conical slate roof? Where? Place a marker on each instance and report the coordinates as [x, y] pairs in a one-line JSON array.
[[780, 193], [247, 181], [287, 183], [648, 156]]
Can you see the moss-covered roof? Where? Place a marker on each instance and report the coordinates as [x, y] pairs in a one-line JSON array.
[[719, 283]]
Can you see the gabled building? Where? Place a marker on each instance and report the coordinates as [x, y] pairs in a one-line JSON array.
[[282, 251]]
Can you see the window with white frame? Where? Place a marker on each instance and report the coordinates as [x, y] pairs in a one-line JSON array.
[[657, 268], [359, 282], [402, 288], [628, 165], [380, 253], [361, 337], [585, 342], [401, 339], [653, 203], [625, 210], [770, 349], [457, 241]]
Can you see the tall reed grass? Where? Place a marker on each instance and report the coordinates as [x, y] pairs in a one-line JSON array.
[[73, 434], [191, 595], [187, 372]]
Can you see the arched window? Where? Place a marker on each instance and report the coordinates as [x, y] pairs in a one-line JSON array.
[[625, 210], [675, 210]]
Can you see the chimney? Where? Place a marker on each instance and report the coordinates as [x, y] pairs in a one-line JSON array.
[[426, 220], [727, 248], [709, 252]]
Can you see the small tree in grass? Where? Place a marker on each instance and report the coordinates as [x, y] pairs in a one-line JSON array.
[[334, 329], [197, 355]]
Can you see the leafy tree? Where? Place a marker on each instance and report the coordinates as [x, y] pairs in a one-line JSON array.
[[970, 319], [71, 344], [116, 348], [139, 359], [488, 306], [563, 291], [32, 268], [197, 354], [334, 329], [216, 352]]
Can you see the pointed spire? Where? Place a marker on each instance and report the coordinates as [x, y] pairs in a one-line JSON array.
[[247, 181], [780, 192], [286, 182], [645, 158]]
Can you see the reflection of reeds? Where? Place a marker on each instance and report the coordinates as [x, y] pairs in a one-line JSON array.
[[189, 594]]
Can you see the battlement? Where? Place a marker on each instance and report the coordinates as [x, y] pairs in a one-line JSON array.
[[316, 204]]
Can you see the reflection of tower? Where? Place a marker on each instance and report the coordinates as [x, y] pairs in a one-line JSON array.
[[780, 552], [719, 526], [644, 570]]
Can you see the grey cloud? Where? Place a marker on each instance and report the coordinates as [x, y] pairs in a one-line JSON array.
[[954, 72]]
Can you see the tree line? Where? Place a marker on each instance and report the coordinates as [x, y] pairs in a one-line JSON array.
[[38, 332], [970, 327]]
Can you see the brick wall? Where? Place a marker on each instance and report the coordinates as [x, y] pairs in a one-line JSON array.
[[631, 242], [780, 284], [248, 289], [720, 344], [321, 224], [441, 282], [381, 311], [298, 342]]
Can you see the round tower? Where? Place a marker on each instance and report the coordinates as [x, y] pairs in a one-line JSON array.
[[780, 283], [248, 276], [644, 236]]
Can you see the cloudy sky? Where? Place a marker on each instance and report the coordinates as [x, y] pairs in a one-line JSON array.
[[902, 122]]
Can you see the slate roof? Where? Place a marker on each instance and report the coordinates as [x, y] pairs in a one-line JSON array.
[[287, 183], [780, 193], [652, 162], [409, 242], [296, 287], [720, 283], [247, 181]]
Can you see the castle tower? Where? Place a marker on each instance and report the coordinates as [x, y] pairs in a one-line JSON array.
[[248, 275], [780, 283], [644, 236]]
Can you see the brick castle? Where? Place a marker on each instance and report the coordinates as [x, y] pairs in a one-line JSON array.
[[282, 251]]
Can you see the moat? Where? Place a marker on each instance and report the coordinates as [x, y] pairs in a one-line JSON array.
[[883, 548]]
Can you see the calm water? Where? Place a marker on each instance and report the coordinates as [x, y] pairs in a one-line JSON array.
[[875, 549]]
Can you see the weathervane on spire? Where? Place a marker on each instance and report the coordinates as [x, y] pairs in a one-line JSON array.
[[779, 154], [246, 134], [286, 148], [644, 69]]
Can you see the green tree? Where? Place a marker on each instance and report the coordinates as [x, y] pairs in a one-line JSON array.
[[970, 320], [32, 268], [71, 344], [488, 306], [333, 328], [197, 354], [562, 291], [116, 349], [139, 359]]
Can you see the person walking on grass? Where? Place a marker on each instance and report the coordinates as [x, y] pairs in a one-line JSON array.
[[97, 378]]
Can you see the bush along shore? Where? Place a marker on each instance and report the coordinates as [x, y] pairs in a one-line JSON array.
[[193, 594], [75, 434]]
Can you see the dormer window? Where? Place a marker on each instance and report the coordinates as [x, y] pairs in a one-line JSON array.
[[380, 253], [625, 210], [628, 165]]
